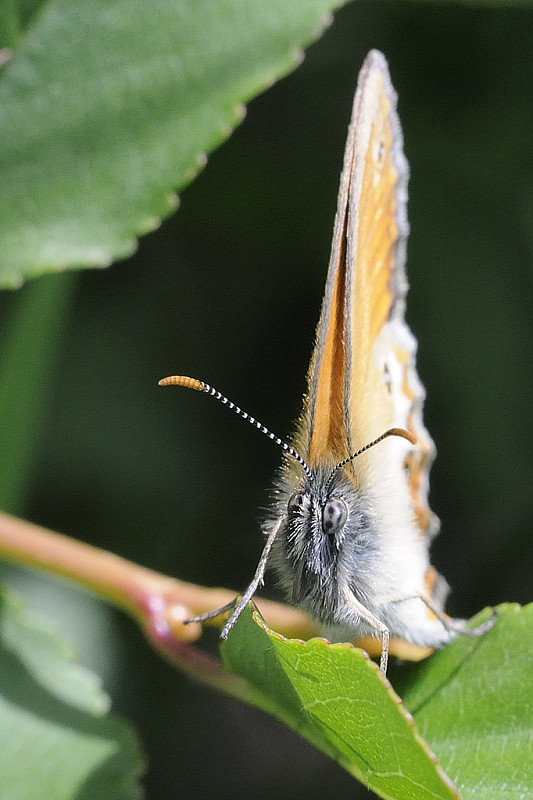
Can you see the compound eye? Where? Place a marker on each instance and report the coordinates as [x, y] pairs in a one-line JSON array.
[[334, 515], [295, 504]]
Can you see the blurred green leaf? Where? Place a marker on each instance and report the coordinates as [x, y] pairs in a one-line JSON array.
[[15, 16], [108, 107], [57, 740], [472, 703], [32, 335]]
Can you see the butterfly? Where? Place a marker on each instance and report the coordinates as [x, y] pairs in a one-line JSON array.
[[350, 525]]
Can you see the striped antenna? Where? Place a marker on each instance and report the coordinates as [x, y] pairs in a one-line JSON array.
[[200, 386], [401, 432]]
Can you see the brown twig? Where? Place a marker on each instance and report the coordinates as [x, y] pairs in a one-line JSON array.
[[157, 602]]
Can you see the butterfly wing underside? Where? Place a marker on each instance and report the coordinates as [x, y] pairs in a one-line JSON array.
[[362, 378]]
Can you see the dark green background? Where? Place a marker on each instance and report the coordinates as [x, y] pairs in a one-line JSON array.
[[229, 291]]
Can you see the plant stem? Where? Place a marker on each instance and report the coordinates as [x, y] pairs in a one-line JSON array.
[[157, 602]]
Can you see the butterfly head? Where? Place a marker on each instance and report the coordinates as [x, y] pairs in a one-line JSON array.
[[322, 510]]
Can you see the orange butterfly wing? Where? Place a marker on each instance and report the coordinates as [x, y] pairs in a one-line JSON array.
[[362, 378]]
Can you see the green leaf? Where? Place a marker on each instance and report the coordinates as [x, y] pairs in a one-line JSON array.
[[473, 703], [57, 740], [108, 107], [335, 697]]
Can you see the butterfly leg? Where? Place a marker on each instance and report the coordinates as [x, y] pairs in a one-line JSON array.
[[453, 625], [458, 626], [257, 581], [375, 623], [211, 614], [247, 596]]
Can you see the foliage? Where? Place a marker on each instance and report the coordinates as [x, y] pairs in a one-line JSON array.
[[109, 108], [59, 740], [472, 703]]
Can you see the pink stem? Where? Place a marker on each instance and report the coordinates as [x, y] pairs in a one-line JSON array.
[[158, 603]]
